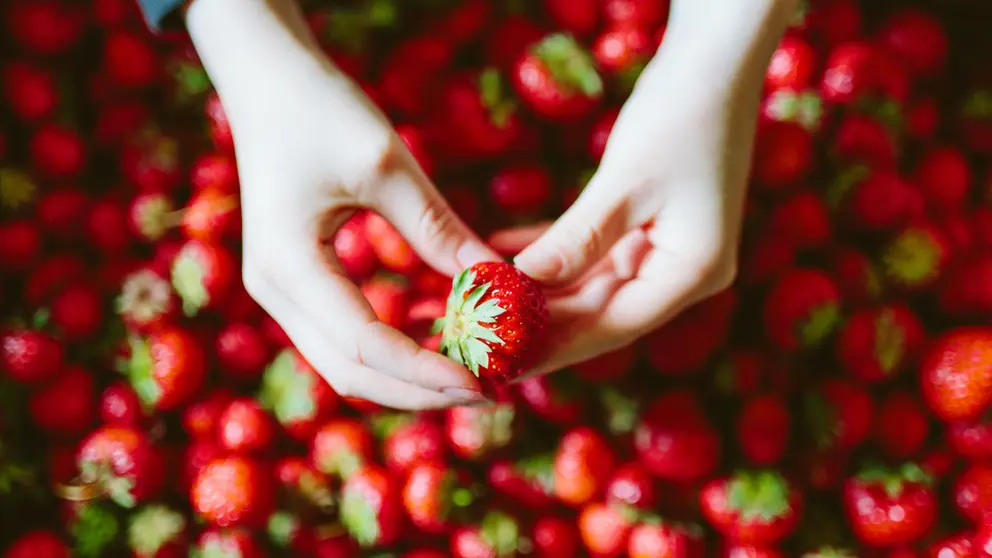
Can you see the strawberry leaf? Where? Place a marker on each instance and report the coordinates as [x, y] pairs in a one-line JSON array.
[[153, 527], [360, 518], [287, 389]]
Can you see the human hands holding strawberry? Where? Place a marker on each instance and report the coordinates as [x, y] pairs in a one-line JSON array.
[[311, 149], [656, 229]]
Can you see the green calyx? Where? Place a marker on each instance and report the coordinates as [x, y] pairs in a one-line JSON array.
[[978, 105], [621, 411], [188, 280], [466, 336], [501, 533], [17, 189], [821, 418], [191, 79], [139, 371], [539, 469], [359, 518], [894, 481], [830, 552], [384, 424], [282, 528], [95, 529], [820, 323], [493, 94], [287, 390], [759, 497], [913, 258], [153, 527], [844, 183], [890, 341], [570, 65], [805, 108]]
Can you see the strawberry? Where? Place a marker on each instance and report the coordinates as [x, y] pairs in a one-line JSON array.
[[737, 550], [413, 441], [608, 366], [65, 406], [167, 368], [901, 425], [150, 160], [871, 201], [557, 79], [956, 374], [604, 529], [228, 543], [529, 481], [648, 13], [971, 439], [130, 60], [392, 249], [509, 38], [783, 154], [889, 508], [232, 491], [833, 22], [974, 122], [212, 215], [496, 535], [624, 51], [45, 27], [300, 481], [29, 356], [922, 119], [685, 344], [759, 508], [863, 139], [242, 351], [580, 18], [20, 244], [658, 539], [557, 398], [945, 177], [521, 190], [38, 544], [157, 531], [50, 275], [965, 291], [77, 311], [582, 464], [202, 275], [106, 226], [791, 65], [496, 322], [839, 414], [409, 75], [958, 545], [857, 276], [917, 38], [61, 211], [675, 440], [122, 463], [763, 428], [632, 486], [341, 447], [214, 171], [877, 343], [119, 405], [354, 251], [371, 507], [850, 72], [599, 133], [480, 118], [554, 537], [389, 298], [57, 152], [245, 427], [31, 92], [800, 106], [804, 218], [435, 497], [296, 395], [802, 309], [476, 432], [973, 492]]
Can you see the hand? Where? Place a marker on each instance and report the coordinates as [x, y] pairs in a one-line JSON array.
[[311, 148], [656, 229]]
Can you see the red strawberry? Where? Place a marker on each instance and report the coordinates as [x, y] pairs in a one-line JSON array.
[[217, 124], [839, 414], [245, 427], [31, 92], [556, 398], [228, 543], [20, 244], [803, 107], [30, 357], [233, 491], [392, 249], [804, 218], [389, 298], [57, 151], [521, 190], [792, 64], [510, 37], [354, 251], [62, 211], [480, 116], [497, 535], [856, 274], [632, 486], [120, 406], [872, 201], [648, 13], [604, 529], [371, 508], [783, 154], [435, 496], [212, 215], [38, 544], [299, 479], [901, 425], [956, 374], [496, 321], [50, 275], [557, 79], [77, 311], [409, 75], [890, 508], [850, 72], [413, 441], [582, 464], [130, 60], [157, 531], [167, 368], [763, 429], [971, 439], [118, 120], [917, 38], [106, 226], [554, 537], [944, 175], [146, 301], [203, 275], [802, 309], [959, 545], [66, 406], [973, 492], [341, 447], [598, 136], [974, 122], [834, 21], [922, 119], [623, 50], [296, 395], [122, 462], [675, 440], [877, 343], [658, 539], [759, 508], [685, 344], [242, 351], [607, 367], [580, 18], [529, 481], [966, 291], [862, 139], [476, 432]]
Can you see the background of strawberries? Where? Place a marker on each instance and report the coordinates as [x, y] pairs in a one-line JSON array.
[[149, 407]]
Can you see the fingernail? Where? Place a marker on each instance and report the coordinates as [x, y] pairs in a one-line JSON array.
[[471, 253], [465, 395]]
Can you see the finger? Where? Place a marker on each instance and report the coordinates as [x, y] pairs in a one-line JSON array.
[[317, 286], [348, 378], [582, 236], [509, 242], [411, 203]]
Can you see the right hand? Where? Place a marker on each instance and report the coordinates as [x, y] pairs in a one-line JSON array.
[[311, 148]]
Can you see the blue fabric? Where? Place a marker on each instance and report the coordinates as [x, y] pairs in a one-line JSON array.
[[155, 11]]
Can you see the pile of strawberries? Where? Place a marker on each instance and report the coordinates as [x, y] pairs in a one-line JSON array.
[[836, 402]]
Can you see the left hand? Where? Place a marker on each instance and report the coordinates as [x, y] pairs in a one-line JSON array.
[[656, 229]]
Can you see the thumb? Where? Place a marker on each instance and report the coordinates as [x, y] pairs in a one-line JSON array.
[[411, 203], [582, 236]]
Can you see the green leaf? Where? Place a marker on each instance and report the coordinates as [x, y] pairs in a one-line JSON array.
[[153, 527], [360, 519], [287, 389], [96, 528]]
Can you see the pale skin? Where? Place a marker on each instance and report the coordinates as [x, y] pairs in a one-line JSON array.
[[311, 148]]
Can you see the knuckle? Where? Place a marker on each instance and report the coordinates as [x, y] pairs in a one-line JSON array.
[[579, 241], [342, 386], [437, 225]]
